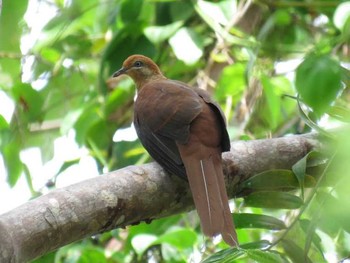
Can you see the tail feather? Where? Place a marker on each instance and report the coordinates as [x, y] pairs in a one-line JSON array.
[[208, 189]]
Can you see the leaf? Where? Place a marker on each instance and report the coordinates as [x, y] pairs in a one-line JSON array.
[[130, 10], [245, 220], [158, 34], [318, 81], [66, 165], [227, 87], [91, 254], [13, 163], [275, 180], [179, 238], [30, 101], [141, 242], [341, 16], [295, 253], [339, 113], [187, 45], [273, 101], [299, 170], [230, 254], [309, 228], [263, 256], [3, 123], [276, 200]]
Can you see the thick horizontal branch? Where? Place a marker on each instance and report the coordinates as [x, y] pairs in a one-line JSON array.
[[129, 196]]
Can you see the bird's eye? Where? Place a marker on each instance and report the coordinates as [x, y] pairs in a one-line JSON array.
[[138, 64]]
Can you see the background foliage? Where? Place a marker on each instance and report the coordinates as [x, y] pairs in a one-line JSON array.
[[276, 67]]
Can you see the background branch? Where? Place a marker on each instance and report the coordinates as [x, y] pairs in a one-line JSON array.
[[129, 196]]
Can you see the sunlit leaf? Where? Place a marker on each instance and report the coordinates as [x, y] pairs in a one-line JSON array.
[[157, 34], [187, 45], [318, 81], [231, 254], [263, 256], [141, 242]]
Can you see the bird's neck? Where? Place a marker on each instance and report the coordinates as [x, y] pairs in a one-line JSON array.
[[141, 82]]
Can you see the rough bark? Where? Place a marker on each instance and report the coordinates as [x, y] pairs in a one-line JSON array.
[[129, 196]]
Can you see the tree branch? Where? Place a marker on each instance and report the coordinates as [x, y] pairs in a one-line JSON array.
[[129, 196]]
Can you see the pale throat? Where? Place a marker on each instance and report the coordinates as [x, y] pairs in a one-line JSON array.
[[140, 82]]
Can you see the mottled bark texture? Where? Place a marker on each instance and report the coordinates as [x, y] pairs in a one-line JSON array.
[[129, 196]]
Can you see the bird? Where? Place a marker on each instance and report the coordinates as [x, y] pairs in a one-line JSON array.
[[184, 130]]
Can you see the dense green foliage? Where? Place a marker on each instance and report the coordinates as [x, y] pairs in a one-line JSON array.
[[233, 48]]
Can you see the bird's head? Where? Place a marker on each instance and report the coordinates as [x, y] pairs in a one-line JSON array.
[[141, 69]]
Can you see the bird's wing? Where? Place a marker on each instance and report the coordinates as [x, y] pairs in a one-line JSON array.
[[164, 111], [162, 149]]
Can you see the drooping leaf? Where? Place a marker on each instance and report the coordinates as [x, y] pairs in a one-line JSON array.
[[275, 180], [245, 220], [276, 200]]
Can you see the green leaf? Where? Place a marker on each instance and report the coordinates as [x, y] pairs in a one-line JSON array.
[[295, 253], [179, 238], [263, 256], [275, 180], [245, 220], [227, 87], [50, 54], [230, 254], [318, 81], [3, 123], [130, 10], [275, 200], [309, 228], [273, 101], [187, 45], [66, 165], [299, 170], [340, 113], [157, 34], [91, 254], [85, 121], [13, 164], [30, 101]]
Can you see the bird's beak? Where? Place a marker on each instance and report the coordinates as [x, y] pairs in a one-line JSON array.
[[119, 72]]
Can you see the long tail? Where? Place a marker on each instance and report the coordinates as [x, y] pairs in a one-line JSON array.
[[207, 184]]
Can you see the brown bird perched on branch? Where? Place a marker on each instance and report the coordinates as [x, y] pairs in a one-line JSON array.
[[184, 130]]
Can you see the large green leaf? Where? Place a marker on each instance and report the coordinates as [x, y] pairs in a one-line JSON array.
[[276, 200], [318, 81], [275, 180], [245, 220]]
